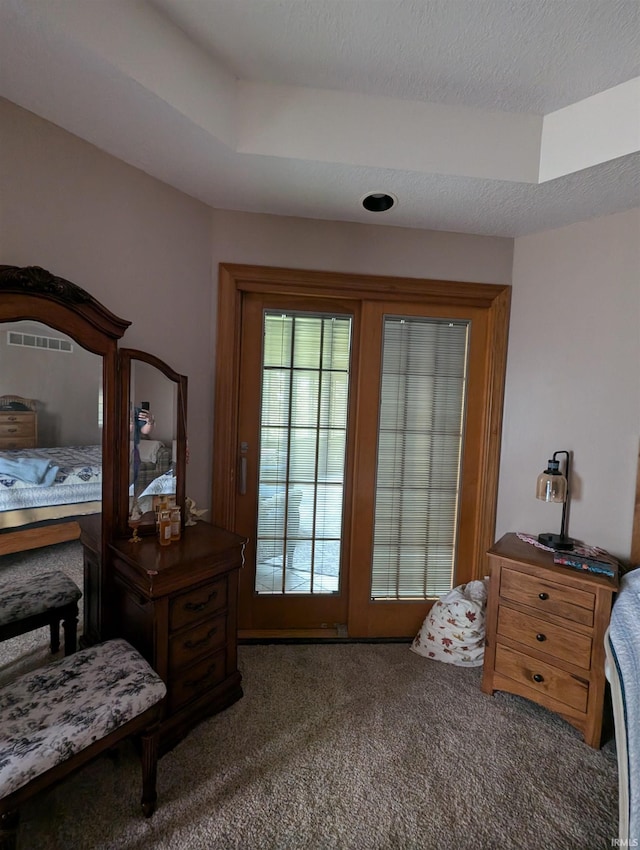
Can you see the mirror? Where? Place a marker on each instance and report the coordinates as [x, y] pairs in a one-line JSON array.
[[153, 440], [52, 312], [51, 420]]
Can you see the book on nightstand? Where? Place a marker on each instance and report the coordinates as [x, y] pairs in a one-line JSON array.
[[591, 559]]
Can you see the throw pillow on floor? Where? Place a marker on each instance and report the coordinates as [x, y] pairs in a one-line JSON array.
[[454, 628]]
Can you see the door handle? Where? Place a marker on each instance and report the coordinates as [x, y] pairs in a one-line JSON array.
[[243, 476]]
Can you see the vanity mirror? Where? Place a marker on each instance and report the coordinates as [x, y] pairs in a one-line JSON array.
[[153, 439], [58, 364]]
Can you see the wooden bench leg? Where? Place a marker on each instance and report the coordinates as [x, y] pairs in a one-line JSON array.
[[149, 738], [54, 629], [9, 829], [70, 626]]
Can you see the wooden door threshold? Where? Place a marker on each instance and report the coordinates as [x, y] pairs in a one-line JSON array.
[[286, 634], [255, 636]]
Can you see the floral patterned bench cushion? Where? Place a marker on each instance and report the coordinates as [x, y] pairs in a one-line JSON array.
[[35, 596], [50, 714]]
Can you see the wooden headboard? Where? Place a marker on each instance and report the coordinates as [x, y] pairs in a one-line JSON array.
[[6, 400], [635, 534]]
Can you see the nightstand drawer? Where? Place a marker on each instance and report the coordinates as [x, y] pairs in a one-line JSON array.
[[539, 634], [562, 600], [197, 604], [202, 640], [541, 677], [198, 679]]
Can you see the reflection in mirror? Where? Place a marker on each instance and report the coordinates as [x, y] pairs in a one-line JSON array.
[[153, 422], [153, 426], [50, 426]]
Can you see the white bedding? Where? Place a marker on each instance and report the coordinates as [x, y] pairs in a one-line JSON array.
[[163, 485], [622, 647], [78, 479]]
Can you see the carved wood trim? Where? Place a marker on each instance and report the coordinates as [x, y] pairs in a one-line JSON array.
[[36, 281]]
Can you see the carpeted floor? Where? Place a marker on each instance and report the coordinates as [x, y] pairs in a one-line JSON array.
[[337, 747]]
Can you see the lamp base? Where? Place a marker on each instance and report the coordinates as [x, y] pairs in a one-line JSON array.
[[556, 541]]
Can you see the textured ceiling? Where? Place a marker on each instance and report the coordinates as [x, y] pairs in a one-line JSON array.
[[301, 107], [502, 55]]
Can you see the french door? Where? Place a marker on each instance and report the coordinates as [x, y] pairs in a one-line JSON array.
[[293, 435], [356, 446]]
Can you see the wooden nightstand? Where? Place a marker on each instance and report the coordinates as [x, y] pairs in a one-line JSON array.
[[545, 633], [18, 429]]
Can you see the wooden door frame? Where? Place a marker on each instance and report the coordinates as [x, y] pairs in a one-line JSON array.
[[235, 279]]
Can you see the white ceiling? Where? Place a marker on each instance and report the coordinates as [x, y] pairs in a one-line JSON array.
[[500, 117]]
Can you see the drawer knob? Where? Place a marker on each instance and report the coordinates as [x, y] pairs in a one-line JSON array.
[[538, 678], [541, 637], [12, 430], [543, 595]]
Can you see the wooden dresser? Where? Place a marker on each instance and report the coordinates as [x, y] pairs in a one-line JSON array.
[[177, 605], [18, 429], [545, 633]]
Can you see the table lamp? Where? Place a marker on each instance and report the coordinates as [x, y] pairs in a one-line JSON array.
[[553, 486]]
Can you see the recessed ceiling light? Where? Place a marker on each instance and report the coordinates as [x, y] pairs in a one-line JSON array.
[[379, 201]]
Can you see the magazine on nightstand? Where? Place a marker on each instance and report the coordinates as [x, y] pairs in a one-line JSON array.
[[591, 559]]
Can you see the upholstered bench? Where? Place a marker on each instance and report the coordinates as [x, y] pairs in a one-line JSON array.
[[44, 600], [58, 717]]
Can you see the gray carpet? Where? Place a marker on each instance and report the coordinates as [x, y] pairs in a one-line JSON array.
[[337, 747]]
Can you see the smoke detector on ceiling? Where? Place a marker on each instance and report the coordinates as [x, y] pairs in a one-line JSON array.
[[379, 202]]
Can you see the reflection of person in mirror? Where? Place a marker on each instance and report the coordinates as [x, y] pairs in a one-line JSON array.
[[141, 425]]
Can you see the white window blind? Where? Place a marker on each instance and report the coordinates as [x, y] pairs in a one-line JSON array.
[[419, 457]]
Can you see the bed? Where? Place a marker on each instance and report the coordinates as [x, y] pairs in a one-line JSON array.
[[38, 484], [622, 650], [156, 474], [45, 490]]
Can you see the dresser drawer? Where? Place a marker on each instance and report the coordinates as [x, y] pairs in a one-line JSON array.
[[541, 677], [204, 639], [561, 600], [16, 430], [539, 634], [10, 443], [195, 681], [197, 604]]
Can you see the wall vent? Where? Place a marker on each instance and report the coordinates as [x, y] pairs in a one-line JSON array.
[[50, 343]]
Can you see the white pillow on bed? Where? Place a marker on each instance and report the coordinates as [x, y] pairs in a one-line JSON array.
[[149, 450]]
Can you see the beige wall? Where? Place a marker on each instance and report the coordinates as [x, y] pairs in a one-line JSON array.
[[140, 247], [359, 248], [573, 378]]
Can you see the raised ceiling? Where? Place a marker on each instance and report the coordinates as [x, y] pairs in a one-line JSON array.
[[503, 117]]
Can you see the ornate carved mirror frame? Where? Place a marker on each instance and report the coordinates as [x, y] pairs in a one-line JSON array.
[[32, 293]]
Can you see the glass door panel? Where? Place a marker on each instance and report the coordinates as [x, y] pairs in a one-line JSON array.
[[302, 449], [294, 476], [420, 437]]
